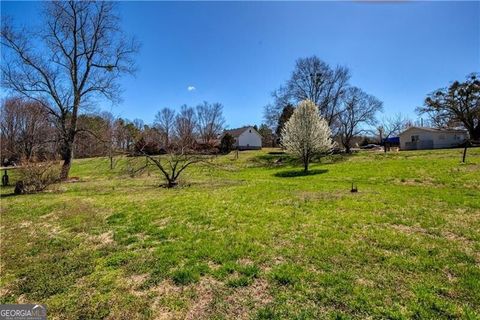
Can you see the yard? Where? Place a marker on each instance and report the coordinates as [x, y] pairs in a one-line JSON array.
[[252, 238]]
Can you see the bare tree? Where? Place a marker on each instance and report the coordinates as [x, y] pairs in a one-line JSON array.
[[390, 127], [185, 126], [173, 164], [165, 122], [314, 80], [359, 111], [25, 128], [75, 57], [210, 121]]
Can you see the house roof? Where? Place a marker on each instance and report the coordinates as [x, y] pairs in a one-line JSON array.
[[435, 130], [237, 132]]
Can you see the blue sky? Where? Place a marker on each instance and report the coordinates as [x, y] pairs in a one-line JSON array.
[[236, 53]]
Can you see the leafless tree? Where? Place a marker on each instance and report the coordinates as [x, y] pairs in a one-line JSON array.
[[174, 163], [76, 57], [25, 128], [185, 126], [210, 121], [164, 122], [313, 80], [359, 111], [390, 127]]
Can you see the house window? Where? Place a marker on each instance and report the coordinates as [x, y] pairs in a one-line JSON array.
[[415, 138]]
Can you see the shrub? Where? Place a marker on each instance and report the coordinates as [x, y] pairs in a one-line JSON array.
[[36, 177], [227, 142]]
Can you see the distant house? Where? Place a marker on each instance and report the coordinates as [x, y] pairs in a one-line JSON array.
[[416, 138], [246, 138]]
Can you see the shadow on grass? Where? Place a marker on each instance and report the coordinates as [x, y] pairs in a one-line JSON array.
[[297, 173]]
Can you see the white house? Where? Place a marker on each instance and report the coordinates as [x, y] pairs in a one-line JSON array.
[[415, 138], [246, 138]]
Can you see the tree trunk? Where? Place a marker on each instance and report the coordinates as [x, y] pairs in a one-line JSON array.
[[67, 156], [305, 164]]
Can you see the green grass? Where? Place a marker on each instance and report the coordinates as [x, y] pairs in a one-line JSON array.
[[252, 238]]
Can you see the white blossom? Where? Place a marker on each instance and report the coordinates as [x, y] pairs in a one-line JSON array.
[[306, 133]]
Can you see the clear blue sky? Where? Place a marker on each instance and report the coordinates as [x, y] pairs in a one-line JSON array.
[[236, 53]]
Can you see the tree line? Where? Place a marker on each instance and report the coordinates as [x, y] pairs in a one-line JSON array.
[[29, 132]]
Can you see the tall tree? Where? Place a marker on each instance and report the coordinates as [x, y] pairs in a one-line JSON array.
[[306, 134], [185, 126], [268, 138], [460, 102], [359, 111], [390, 127], [313, 79], [284, 117], [165, 122], [25, 129], [75, 57], [210, 121]]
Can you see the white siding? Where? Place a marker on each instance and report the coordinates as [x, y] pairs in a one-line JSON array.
[[428, 139], [250, 139]]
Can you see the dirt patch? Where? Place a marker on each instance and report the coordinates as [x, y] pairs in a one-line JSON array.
[[365, 282], [101, 240], [244, 300], [134, 282], [408, 229], [205, 292]]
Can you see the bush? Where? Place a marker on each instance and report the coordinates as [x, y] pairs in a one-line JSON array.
[[227, 142], [35, 177]]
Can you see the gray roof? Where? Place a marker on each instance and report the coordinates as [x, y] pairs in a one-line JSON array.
[[436, 129], [237, 132]]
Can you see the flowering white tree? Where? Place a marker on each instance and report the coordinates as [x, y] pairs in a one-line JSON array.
[[306, 133]]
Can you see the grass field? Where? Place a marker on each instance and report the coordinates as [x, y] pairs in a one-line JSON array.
[[252, 239]]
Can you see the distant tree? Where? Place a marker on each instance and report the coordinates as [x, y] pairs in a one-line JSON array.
[[391, 127], [227, 142], [271, 114], [460, 102], [284, 117], [313, 79], [76, 56], [268, 138], [359, 111], [185, 126], [210, 121], [165, 123], [306, 134], [25, 129]]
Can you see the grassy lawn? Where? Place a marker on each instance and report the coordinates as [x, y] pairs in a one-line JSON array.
[[252, 239]]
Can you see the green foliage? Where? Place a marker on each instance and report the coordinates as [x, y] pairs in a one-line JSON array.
[[185, 276], [287, 112], [227, 142], [286, 274]]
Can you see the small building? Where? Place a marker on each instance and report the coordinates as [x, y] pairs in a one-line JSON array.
[[416, 138], [246, 138]]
